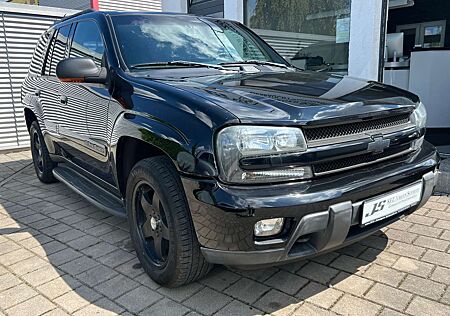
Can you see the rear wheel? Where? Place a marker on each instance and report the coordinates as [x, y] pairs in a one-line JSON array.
[[43, 164], [160, 224]]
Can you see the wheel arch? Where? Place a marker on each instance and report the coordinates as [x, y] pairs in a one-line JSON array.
[[129, 152], [30, 117]]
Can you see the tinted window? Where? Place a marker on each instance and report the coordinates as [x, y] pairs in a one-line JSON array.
[[88, 42], [156, 38], [48, 60], [39, 53], [60, 48]]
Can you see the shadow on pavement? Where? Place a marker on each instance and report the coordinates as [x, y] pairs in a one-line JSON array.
[[78, 258]]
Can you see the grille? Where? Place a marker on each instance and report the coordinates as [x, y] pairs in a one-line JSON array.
[[319, 133], [353, 162]]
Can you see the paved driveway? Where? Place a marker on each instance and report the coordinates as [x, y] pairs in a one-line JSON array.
[[59, 255]]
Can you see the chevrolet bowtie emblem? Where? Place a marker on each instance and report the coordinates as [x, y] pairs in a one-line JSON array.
[[378, 145]]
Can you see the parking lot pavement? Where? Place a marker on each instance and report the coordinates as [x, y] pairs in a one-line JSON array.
[[59, 255]]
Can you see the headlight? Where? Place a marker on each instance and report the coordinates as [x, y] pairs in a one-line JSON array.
[[263, 145], [419, 116]]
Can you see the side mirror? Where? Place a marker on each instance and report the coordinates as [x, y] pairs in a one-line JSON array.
[[80, 70]]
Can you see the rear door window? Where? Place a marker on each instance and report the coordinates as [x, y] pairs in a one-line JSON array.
[[88, 42], [48, 60]]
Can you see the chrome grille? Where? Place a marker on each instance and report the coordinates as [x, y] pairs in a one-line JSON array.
[[334, 131]]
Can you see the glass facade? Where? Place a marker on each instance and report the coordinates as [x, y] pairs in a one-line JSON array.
[[311, 34]]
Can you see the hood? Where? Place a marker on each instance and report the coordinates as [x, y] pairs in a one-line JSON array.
[[301, 97]]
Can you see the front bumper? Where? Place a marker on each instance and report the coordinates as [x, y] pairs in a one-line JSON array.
[[324, 214]]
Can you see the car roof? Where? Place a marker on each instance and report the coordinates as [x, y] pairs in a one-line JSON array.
[[90, 13]]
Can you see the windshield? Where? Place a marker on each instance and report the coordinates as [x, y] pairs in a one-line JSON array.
[[159, 39]]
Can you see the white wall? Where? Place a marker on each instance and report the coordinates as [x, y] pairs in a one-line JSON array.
[[365, 37], [234, 10], [129, 5], [178, 6]]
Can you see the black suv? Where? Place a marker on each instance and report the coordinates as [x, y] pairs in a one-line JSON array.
[[215, 148]]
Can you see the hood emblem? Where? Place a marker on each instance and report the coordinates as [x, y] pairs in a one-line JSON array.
[[378, 145]]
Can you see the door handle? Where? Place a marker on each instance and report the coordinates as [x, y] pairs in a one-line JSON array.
[[63, 99]]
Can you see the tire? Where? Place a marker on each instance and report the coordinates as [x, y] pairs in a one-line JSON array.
[[43, 164], [158, 214]]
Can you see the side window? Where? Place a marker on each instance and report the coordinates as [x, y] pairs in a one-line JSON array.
[[39, 54], [88, 42], [48, 60], [60, 48]]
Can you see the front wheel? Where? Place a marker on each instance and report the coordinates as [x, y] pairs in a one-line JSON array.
[[160, 224], [43, 164]]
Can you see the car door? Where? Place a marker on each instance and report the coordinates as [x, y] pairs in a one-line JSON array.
[[90, 100], [53, 113]]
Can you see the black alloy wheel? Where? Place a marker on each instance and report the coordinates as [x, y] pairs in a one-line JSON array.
[[152, 224], [160, 223], [37, 151], [43, 164]]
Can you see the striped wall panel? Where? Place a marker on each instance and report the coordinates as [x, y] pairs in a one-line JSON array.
[[287, 44], [130, 5], [19, 34]]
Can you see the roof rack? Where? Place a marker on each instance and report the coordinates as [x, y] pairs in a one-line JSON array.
[[76, 14]]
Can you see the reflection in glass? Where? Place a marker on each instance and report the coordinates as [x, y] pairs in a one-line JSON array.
[[145, 39], [312, 34]]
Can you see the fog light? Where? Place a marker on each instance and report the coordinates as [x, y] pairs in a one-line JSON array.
[[269, 227]]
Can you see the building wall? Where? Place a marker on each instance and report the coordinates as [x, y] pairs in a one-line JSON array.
[[67, 4], [130, 5], [20, 28], [207, 7]]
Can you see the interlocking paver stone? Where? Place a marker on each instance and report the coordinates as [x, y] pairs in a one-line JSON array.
[[385, 275], [97, 275], [423, 287], [181, 293], [420, 306], [442, 275], [351, 283], [116, 286], [247, 290], [168, 307], [238, 308], [389, 296], [138, 299], [319, 295], [406, 250], [31, 307], [58, 286], [16, 295], [413, 266], [355, 306], [207, 301], [286, 282], [317, 272], [277, 303], [219, 279], [437, 257]]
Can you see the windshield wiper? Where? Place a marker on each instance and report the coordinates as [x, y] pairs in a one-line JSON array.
[[175, 63], [255, 62]]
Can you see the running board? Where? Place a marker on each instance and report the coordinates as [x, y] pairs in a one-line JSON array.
[[90, 191]]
